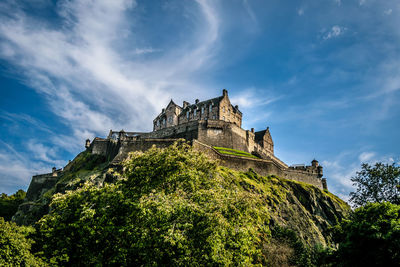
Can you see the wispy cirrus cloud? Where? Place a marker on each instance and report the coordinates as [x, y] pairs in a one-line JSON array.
[[334, 32], [96, 70]]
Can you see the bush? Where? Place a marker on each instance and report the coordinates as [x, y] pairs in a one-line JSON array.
[[15, 245], [172, 207], [9, 204], [371, 237]]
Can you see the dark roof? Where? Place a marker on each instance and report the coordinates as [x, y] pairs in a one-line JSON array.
[[259, 135], [205, 102]]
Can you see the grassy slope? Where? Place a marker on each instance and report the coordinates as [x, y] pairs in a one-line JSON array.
[[230, 151]]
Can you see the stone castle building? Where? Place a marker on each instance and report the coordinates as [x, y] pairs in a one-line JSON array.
[[209, 126]]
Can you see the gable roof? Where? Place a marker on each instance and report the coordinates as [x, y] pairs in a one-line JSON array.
[[259, 136]]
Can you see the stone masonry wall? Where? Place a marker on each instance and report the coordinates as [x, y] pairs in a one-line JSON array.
[[261, 166], [40, 184]]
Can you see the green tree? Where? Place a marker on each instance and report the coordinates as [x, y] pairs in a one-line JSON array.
[[371, 237], [15, 245], [9, 204], [377, 183], [170, 207]]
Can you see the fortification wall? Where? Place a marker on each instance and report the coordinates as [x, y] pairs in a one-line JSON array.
[[140, 145], [222, 134], [40, 184], [304, 176], [261, 166], [105, 147]]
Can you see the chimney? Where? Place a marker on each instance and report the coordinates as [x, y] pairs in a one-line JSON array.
[[197, 101], [237, 107], [252, 130], [54, 169], [163, 110], [225, 92], [185, 104]]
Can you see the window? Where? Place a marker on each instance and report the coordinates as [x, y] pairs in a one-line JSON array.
[[187, 115], [210, 108], [163, 121], [229, 112], [214, 117], [158, 123], [223, 109], [202, 110], [195, 113], [170, 119], [223, 118]]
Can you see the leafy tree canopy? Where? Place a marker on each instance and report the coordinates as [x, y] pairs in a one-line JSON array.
[[371, 237], [15, 246], [9, 204], [376, 183], [170, 207]]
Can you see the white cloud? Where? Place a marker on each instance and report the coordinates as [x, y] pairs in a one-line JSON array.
[[335, 31], [300, 11], [88, 76], [16, 171], [362, 2], [388, 11], [366, 156], [252, 98], [338, 2]]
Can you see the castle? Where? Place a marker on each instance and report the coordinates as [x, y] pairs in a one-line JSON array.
[[212, 126]]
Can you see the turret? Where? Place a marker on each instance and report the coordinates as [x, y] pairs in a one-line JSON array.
[[314, 163], [87, 144], [54, 171]]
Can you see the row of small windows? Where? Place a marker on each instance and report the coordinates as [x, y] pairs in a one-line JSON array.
[[202, 111]]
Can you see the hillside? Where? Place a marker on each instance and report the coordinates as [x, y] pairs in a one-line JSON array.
[[180, 203]]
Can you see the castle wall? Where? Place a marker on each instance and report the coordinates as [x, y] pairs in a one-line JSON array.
[[223, 134], [105, 147], [304, 176], [40, 184], [261, 166], [140, 145]]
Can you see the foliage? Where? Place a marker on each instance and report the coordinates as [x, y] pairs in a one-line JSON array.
[[371, 237], [171, 208], [377, 183], [15, 246], [9, 204], [235, 152], [285, 248]]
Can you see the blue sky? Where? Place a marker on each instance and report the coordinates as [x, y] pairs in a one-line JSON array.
[[323, 75]]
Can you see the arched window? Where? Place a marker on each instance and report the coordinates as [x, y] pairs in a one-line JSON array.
[[187, 115], [210, 108]]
